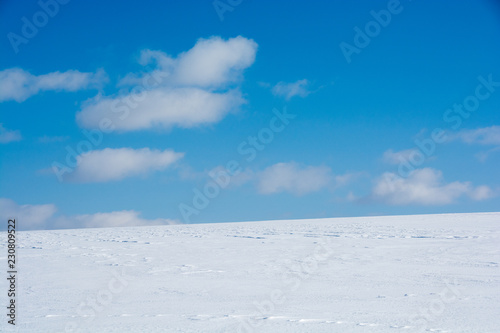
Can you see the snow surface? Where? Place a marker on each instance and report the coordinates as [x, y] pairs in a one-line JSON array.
[[436, 273]]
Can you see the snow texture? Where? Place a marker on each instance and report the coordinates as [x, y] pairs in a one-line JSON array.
[[422, 273]]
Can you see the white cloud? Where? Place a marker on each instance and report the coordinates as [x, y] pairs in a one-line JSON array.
[[27, 216], [211, 63], [396, 157], [18, 84], [484, 155], [115, 164], [424, 187], [195, 88], [486, 136], [290, 177], [347, 178], [42, 217], [281, 177], [124, 218], [290, 89], [7, 136], [215, 62], [483, 136], [481, 193], [165, 107]]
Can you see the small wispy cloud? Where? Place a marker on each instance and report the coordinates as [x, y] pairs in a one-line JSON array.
[[484, 155], [424, 187], [291, 177], [482, 136], [236, 179], [485, 136], [397, 157], [18, 85], [347, 178], [291, 89], [7, 135]]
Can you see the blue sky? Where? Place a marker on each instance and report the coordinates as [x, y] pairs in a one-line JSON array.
[[393, 108]]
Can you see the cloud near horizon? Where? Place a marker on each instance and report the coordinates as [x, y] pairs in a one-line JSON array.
[[195, 88], [18, 85], [116, 164], [123, 218], [29, 216], [424, 187], [41, 217]]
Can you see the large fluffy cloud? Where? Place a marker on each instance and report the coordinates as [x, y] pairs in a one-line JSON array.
[[115, 164], [165, 107], [290, 177], [214, 62], [424, 187], [195, 88], [32, 217], [18, 84]]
